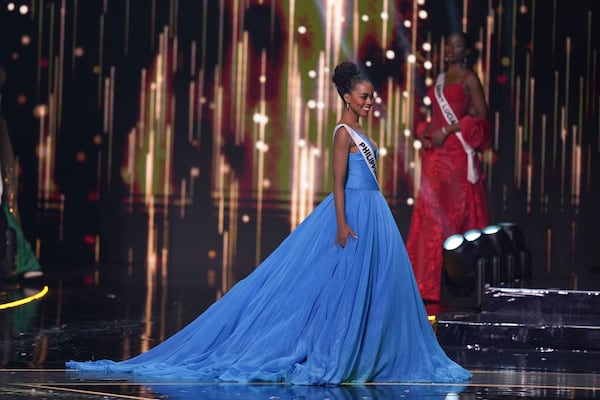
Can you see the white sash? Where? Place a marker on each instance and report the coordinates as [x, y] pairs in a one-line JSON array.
[[450, 117], [364, 149]]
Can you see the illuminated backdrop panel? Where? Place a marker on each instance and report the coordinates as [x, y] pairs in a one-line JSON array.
[[199, 131]]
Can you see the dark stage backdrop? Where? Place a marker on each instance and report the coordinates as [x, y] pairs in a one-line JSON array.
[[184, 139]]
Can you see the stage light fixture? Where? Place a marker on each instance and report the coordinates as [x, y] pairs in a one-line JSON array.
[[463, 272], [487, 250], [515, 234], [504, 251], [522, 268]]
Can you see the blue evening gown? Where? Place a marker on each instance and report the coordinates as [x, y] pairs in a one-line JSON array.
[[313, 313]]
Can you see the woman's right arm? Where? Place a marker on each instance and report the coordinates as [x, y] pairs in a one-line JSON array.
[[341, 148]]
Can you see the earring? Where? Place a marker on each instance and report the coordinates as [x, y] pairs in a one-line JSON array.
[[347, 106]]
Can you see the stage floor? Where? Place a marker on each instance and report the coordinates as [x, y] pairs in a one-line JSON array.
[[61, 384], [91, 314]]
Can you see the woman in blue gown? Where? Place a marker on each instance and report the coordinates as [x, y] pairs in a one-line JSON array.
[[336, 302]]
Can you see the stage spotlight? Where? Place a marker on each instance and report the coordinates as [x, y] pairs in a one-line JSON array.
[[504, 251], [522, 255], [481, 241], [463, 272], [515, 234], [487, 250], [459, 257]]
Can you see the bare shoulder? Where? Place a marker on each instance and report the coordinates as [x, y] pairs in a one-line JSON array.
[[471, 78], [341, 134], [340, 127]]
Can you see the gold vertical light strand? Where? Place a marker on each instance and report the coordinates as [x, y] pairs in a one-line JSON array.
[[191, 108], [407, 132], [567, 77], [532, 30], [578, 176], [40, 150], [588, 70], [513, 38], [219, 160], [530, 125], [386, 138], [261, 155], [51, 41], [201, 74], [488, 53], [302, 182], [410, 87], [581, 111], [543, 163], [47, 152], [556, 129], [131, 158], [384, 26], [218, 101], [526, 98], [517, 128], [322, 86], [531, 112], [397, 135], [356, 27], [295, 108], [183, 197], [61, 211], [529, 182], [150, 171], [380, 161], [228, 245], [97, 249], [563, 137], [237, 81], [518, 156], [549, 250], [147, 318], [243, 85], [465, 15], [575, 155], [167, 174], [225, 267], [60, 63], [553, 41], [304, 208], [110, 124], [236, 64]]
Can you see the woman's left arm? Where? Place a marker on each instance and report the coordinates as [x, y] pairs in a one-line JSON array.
[[475, 92]]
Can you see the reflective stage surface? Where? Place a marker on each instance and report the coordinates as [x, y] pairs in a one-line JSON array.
[[52, 384], [83, 317]]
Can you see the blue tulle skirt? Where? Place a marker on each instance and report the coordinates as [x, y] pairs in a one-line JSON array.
[[312, 313]]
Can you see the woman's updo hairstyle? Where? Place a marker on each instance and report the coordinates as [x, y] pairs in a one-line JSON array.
[[345, 76]]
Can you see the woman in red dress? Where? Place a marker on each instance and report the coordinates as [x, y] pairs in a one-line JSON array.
[[451, 196]]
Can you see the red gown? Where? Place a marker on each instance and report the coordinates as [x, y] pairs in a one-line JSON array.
[[447, 203]]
